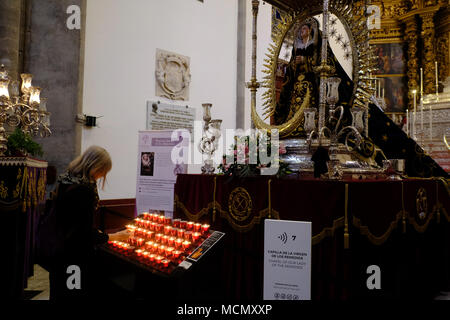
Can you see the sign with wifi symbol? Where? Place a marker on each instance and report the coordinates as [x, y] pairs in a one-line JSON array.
[[283, 237]]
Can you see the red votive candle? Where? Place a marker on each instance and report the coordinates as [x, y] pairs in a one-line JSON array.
[[145, 215], [161, 249], [138, 232], [186, 245], [178, 243], [176, 223], [169, 251], [165, 263], [173, 231], [188, 235], [167, 221], [189, 225], [205, 228], [160, 219], [158, 237], [180, 233], [139, 252], [183, 224], [151, 257], [176, 254], [171, 241], [145, 255], [149, 245], [140, 242], [196, 236], [158, 259], [165, 239], [197, 227], [167, 230], [155, 247]]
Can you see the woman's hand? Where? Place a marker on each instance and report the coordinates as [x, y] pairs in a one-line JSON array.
[[119, 236]]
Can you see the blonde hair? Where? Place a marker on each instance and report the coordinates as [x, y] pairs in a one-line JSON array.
[[93, 164]]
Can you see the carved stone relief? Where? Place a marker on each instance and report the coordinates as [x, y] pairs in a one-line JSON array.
[[172, 75]]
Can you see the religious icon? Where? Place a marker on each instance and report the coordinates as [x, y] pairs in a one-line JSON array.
[[390, 59], [147, 160], [300, 72]]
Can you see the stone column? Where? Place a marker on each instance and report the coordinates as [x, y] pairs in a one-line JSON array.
[[412, 65], [10, 14], [54, 55], [429, 55]]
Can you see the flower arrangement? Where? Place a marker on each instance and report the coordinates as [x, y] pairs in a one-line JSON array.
[[246, 158]]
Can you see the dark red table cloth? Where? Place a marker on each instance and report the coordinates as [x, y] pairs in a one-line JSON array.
[[402, 226], [22, 196]]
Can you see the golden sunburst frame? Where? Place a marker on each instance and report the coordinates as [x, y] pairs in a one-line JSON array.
[[352, 14]]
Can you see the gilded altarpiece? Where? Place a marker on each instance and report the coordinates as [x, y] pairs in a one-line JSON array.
[[417, 33]]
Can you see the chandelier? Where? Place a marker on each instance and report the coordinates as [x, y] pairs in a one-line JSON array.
[[22, 107]]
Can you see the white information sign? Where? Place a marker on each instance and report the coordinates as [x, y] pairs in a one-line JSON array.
[[287, 260], [156, 172], [161, 116]]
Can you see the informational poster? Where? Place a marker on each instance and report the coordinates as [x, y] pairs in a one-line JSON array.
[[160, 159], [161, 116], [287, 260]]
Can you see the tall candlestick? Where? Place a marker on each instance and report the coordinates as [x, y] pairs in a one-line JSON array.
[[421, 115], [431, 125], [437, 81], [379, 88], [407, 122], [421, 83]]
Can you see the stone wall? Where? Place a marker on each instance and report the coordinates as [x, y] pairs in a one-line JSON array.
[[54, 55]]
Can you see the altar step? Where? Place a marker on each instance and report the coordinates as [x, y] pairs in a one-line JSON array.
[[442, 158]]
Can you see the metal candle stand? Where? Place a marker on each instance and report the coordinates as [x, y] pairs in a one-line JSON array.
[[210, 139]]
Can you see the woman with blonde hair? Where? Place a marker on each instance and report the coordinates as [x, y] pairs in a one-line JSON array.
[[76, 202]]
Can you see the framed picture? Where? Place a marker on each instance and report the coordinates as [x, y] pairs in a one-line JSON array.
[[390, 58], [391, 63], [395, 93]]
